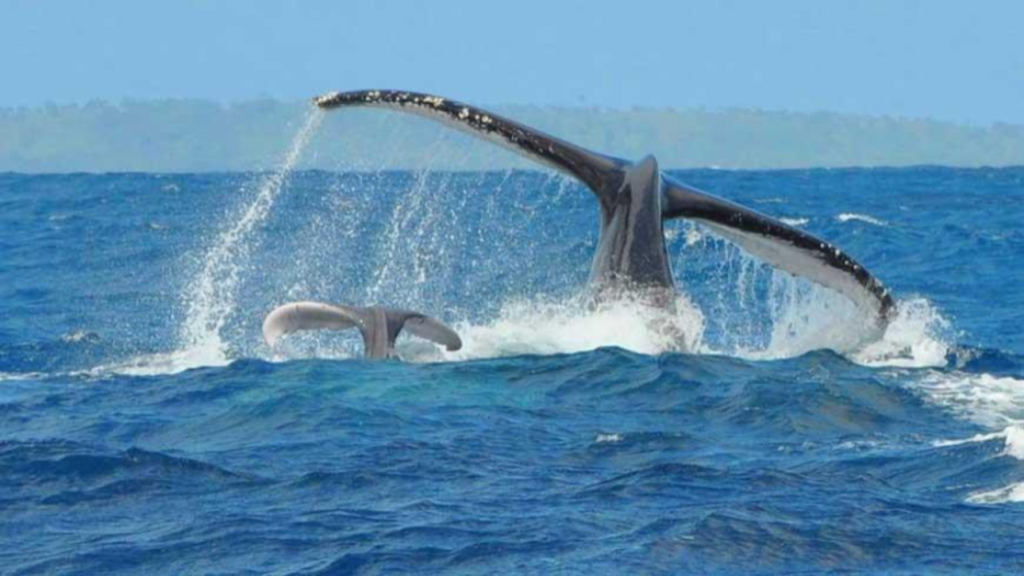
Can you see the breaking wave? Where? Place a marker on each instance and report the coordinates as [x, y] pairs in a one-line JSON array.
[[847, 217]]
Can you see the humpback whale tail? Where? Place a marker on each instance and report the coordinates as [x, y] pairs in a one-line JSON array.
[[635, 200], [378, 326]]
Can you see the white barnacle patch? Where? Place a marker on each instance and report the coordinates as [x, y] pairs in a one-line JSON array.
[[464, 113], [486, 119], [326, 98], [433, 101], [374, 94]]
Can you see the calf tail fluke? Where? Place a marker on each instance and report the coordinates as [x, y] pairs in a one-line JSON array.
[[378, 326]]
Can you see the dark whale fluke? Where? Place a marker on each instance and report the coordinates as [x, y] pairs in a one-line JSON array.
[[636, 198], [379, 327]]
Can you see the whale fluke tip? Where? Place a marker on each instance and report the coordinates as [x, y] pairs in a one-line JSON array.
[[328, 100], [378, 326]]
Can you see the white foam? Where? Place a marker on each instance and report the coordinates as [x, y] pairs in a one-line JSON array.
[[807, 317], [571, 325], [918, 337], [848, 216], [541, 327], [1014, 441], [1012, 436], [165, 363], [1012, 493], [991, 401], [973, 439], [803, 316], [562, 327], [795, 221], [79, 336], [16, 376], [915, 338], [804, 319]]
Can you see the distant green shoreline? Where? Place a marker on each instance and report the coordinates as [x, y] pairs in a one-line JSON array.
[[202, 136], [171, 174]]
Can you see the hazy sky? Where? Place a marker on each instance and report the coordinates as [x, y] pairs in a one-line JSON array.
[[953, 60]]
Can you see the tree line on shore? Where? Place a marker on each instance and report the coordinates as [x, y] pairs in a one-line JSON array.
[[199, 136]]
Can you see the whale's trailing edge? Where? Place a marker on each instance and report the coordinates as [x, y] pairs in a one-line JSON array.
[[378, 326], [781, 245], [635, 200]]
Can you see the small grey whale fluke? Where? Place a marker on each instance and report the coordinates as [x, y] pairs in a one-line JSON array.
[[379, 327], [636, 198]]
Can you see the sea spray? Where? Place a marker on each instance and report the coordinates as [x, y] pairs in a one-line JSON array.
[[488, 252], [757, 312], [576, 324], [210, 297], [412, 220]]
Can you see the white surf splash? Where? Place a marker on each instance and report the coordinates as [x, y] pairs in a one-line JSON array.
[[1012, 493], [795, 221], [848, 216], [569, 326], [918, 337], [806, 317], [210, 298], [992, 401], [20, 376], [211, 355], [1013, 447], [541, 327], [914, 339], [1012, 437]]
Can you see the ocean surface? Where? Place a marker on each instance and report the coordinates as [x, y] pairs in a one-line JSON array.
[[146, 428]]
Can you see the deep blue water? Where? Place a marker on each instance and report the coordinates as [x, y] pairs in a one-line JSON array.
[[145, 427]]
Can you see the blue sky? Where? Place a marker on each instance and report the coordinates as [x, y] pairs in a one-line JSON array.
[[961, 61]]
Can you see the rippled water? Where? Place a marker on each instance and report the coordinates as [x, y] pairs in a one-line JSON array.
[[145, 427]]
